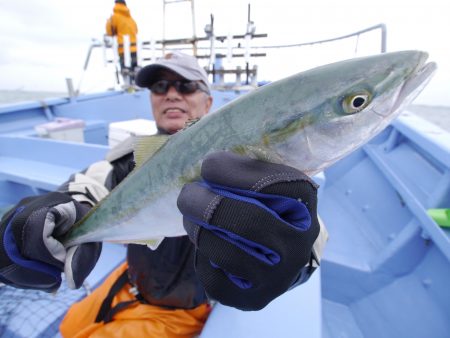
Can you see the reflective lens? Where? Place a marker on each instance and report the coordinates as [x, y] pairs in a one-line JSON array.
[[182, 87]]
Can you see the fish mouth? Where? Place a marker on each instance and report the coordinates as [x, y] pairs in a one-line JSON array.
[[417, 81], [414, 82]]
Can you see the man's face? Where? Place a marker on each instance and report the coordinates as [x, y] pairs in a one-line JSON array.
[[172, 110]]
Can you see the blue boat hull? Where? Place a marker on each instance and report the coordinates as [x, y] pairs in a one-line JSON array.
[[386, 265]]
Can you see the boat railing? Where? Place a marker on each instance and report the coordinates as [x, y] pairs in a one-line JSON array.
[[213, 49]]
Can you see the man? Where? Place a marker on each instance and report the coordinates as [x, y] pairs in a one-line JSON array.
[[241, 251], [119, 24]]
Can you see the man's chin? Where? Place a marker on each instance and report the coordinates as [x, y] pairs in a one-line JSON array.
[[174, 125]]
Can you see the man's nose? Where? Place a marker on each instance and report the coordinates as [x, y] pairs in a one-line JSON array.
[[172, 93]]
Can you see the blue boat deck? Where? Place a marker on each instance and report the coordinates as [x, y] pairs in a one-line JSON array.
[[387, 263]]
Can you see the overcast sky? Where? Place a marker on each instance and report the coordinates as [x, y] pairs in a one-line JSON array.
[[45, 41]]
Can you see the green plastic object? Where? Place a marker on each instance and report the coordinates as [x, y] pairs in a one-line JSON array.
[[440, 216]]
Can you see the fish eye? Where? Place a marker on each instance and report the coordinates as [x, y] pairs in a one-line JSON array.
[[356, 102]]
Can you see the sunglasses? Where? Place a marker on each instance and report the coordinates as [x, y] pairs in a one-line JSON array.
[[182, 87]]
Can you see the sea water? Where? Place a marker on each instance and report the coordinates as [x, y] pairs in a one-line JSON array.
[[8, 97]]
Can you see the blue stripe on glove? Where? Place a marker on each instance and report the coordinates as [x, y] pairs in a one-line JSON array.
[[286, 209], [238, 281], [254, 249], [12, 251]]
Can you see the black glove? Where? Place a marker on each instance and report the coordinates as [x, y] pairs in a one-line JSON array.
[[253, 236], [30, 255]]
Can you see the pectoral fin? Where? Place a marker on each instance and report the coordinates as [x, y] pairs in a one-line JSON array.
[[151, 243]]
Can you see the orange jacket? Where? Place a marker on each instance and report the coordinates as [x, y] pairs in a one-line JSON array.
[[137, 320], [121, 23]]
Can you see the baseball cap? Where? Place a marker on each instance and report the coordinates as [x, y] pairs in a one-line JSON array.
[[183, 64]]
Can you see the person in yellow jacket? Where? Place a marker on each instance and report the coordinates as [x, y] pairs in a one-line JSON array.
[[119, 24]]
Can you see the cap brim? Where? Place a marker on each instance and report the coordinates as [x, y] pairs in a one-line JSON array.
[[148, 75]]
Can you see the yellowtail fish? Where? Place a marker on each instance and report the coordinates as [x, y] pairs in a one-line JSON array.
[[308, 121]]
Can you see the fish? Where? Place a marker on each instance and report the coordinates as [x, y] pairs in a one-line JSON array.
[[309, 121]]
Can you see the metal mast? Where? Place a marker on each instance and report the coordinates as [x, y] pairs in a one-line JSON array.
[[194, 36]]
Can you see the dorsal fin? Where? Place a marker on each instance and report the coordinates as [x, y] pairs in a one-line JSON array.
[[146, 146]]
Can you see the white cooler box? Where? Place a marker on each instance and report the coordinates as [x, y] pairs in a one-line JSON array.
[[62, 129]]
